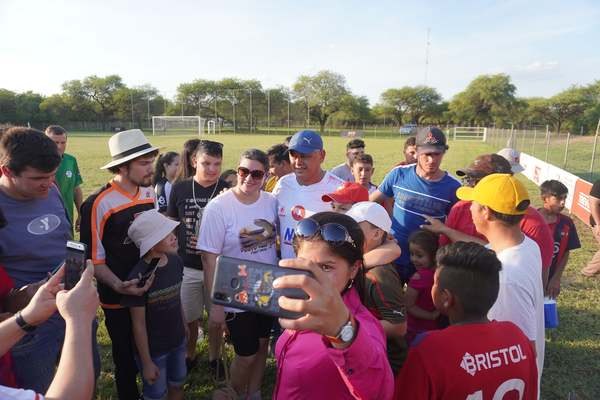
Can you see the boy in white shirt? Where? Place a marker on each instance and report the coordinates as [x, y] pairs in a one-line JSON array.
[[499, 203]]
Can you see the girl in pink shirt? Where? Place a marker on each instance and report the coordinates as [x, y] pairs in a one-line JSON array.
[[422, 315], [338, 349]]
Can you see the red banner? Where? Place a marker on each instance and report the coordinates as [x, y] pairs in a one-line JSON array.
[[581, 200]]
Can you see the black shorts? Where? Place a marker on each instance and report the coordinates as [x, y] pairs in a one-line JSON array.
[[245, 329]]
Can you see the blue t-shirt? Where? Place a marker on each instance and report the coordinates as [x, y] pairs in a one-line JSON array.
[[414, 197], [33, 242]]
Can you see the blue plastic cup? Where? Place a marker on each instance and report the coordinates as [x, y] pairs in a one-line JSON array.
[[550, 313]]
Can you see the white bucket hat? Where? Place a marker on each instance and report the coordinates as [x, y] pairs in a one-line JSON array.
[[371, 212], [127, 145], [513, 157], [149, 228]]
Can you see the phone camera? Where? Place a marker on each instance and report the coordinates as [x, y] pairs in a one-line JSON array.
[[222, 297], [235, 283]]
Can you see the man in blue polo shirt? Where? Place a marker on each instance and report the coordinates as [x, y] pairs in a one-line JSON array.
[[418, 189]]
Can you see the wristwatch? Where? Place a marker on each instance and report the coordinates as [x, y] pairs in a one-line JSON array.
[[346, 334], [23, 324]]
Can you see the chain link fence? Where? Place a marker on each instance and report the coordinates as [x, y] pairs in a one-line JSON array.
[[574, 153]]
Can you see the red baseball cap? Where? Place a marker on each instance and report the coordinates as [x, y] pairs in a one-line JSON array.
[[349, 192]]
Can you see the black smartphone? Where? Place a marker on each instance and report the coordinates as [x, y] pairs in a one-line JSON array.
[[248, 285], [151, 269], [74, 263]]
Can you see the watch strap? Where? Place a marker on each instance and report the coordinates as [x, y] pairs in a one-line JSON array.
[[23, 324], [338, 338]]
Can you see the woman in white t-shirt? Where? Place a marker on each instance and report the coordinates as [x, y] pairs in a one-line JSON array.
[[242, 223]]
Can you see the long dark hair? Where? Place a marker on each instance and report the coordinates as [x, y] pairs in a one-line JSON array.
[[350, 253], [186, 167], [159, 168]]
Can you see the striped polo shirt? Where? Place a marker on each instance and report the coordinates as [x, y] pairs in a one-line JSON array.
[[105, 218]]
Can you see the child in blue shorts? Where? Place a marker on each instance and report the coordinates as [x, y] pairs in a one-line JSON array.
[[156, 317]]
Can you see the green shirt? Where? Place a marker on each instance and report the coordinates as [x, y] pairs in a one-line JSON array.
[[67, 179]]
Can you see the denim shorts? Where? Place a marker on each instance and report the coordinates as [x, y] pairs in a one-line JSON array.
[[172, 372], [36, 355]]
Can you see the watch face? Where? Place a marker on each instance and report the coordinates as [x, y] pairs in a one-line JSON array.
[[347, 333]]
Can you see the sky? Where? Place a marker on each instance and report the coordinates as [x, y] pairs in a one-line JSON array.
[[545, 46]]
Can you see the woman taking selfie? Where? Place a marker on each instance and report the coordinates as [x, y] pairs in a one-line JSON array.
[[338, 349]]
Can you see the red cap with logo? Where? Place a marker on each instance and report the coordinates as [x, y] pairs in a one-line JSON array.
[[349, 192]]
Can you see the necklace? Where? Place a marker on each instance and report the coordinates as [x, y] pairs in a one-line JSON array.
[[194, 192]]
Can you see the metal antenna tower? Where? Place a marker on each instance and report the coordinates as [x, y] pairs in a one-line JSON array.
[[427, 55]]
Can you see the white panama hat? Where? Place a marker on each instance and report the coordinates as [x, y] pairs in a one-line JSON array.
[[127, 145], [149, 228]]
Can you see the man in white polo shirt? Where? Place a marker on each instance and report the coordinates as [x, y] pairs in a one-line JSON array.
[[299, 193]]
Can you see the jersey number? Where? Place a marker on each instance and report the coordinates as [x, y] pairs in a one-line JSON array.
[[507, 386]]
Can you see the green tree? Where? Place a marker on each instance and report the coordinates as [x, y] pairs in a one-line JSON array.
[[488, 99], [8, 106], [412, 104], [95, 93], [323, 94], [566, 107]]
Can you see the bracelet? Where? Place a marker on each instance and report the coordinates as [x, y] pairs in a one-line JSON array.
[[23, 324]]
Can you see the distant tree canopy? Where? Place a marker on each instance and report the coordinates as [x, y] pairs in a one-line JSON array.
[[322, 98]]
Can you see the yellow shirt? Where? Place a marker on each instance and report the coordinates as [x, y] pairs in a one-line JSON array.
[[270, 183]]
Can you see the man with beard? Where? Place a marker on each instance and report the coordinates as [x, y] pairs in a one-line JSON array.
[[105, 219], [418, 190]]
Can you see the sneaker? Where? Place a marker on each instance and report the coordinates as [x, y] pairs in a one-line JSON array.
[[217, 370]]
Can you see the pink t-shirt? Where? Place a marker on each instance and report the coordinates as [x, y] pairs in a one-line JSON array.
[[422, 281]]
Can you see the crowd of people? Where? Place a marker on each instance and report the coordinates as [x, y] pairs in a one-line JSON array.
[[421, 287]]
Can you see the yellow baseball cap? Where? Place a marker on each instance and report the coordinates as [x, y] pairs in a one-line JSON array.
[[502, 193]]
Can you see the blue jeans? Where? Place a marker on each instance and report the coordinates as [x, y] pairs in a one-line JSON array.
[[36, 355], [172, 372]]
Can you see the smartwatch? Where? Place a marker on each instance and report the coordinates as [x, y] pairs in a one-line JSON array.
[[23, 324]]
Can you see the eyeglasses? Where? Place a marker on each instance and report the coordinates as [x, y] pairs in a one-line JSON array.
[[333, 233], [255, 174]]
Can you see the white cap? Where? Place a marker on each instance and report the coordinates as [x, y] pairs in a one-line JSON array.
[[149, 228], [371, 212], [513, 157]]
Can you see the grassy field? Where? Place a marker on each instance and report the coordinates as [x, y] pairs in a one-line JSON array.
[[572, 350]]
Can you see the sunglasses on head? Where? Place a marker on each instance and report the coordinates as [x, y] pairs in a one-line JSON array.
[[210, 144], [333, 233], [255, 174]]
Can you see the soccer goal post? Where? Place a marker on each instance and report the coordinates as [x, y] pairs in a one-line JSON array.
[[469, 133], [184, 124]]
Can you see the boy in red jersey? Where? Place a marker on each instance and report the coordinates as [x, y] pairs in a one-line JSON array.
[[473, 358]]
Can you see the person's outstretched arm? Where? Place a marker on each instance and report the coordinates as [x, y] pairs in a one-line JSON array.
[[74, 377], [39, 309]]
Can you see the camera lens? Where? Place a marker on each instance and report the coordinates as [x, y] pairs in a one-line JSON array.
[[221, 296], [235, 283]]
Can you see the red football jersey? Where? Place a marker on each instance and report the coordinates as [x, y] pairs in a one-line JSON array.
[[492, 361]]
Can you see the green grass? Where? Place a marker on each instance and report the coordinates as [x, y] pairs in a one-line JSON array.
[[572, 350]]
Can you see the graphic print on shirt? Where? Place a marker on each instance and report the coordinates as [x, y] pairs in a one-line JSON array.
[[192, 217], [257, 237], [420, 203], [43, 225], [473, 364]]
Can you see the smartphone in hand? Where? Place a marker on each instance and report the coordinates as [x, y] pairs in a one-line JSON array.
[[152, 269], [74, 263], [248, 285]]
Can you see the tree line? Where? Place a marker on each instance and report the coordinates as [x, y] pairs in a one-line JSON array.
[[323, 98]]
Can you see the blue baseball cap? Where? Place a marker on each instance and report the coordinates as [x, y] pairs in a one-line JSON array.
[[306, 142]]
